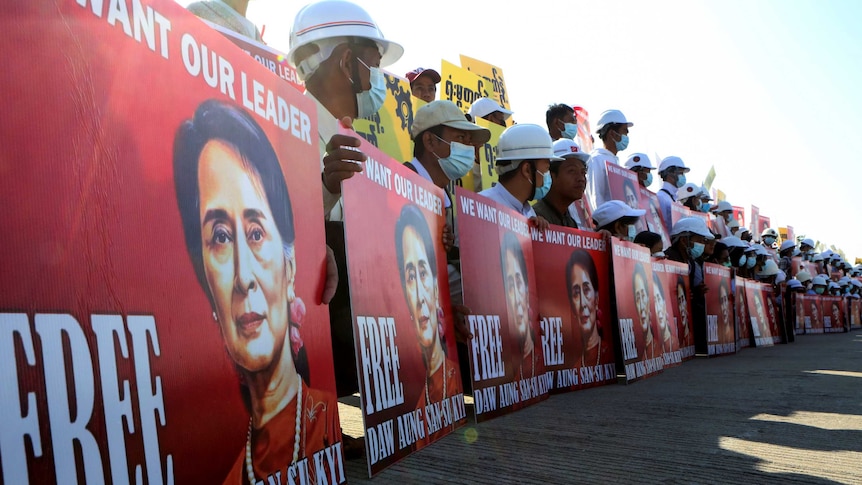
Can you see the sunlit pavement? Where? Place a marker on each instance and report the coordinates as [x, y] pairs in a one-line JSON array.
[[786, 414]]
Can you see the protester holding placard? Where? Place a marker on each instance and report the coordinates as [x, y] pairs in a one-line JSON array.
[[568, 181], [641, 165], [672, 171], [613, 129], [338, 51], [525, 153]]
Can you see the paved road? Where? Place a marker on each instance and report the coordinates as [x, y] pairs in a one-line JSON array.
[[786, 414]]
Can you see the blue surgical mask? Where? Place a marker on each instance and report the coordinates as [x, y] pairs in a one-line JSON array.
[[726, 264], [648, 180], [706, 206], [742, 261], [370, 102], [460, 160], [542, 191], [819, 290], [680, 180], [751, 262], [696, 250], [570, 131], [632, 232], [769, 240], [623, 143]]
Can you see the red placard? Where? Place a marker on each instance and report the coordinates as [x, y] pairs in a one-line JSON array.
[[639, 338], [677, 212], [679, 285], [664, 292], [574, 304], [813, 314], [654, 220], [799, 301], [761, 312], [499, 281], [739, 215], [755, 222], [740, 303], [623, 185], [833, 314], [855, 314], [721, 336], [161, 273], [407, 361]]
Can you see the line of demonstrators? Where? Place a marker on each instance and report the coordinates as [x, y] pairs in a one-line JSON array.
[[684, 249]]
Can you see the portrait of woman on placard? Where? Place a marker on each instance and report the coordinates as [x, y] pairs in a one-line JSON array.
[[239, 231], [665, 333], [417, 263], [517, 285], [583, 286], [641, 293], [686, 334]]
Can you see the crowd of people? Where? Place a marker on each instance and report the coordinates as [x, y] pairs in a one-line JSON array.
[[543, 173]]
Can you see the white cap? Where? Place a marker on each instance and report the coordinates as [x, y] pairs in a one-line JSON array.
[[638, 160], [668, 162], [565, 148], [818, 281], [803, 276], [760, 249], [794, 284], [844, 281], [834, 286], [612, 116], [807, 241], [723, 206], [817, 257], [733, 223], [786, 245], [780, 277], [686, 191], [482, 107], [733, 242], [856, 283], [691, 224], [614, 210], [769, 269]]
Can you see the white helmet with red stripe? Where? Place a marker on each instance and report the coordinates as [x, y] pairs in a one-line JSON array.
[[329, 23]]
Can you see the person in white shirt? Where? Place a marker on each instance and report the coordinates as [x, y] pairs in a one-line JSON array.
[[613, 131], [523, 164], [672, 171]]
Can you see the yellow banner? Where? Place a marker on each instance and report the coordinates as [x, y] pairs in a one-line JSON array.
[[492, 74], [461, 86], [487, 174], [389, 128]]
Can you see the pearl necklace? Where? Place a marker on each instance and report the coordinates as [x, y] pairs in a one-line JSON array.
[[598, 356], [532, 364], [249, 469]]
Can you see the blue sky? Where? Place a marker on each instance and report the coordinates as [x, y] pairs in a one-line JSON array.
[[765, 90]]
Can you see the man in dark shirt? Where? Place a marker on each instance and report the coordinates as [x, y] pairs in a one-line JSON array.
[[568, 181]]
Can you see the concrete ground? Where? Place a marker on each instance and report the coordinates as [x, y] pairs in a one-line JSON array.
[[786, 414]]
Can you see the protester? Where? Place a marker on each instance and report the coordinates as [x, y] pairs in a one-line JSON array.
[[568, 181], [616, 217], [562, 122], [488, 109], [768, 237], [689, 196], [423, 83], [651, 241], [672, 171], [785, 251], [613, 129], [724, 210]]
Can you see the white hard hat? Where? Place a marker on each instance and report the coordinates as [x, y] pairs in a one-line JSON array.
[[786, 245], [818, 281], [834, 286], [856, 283], [638, 160], [523, 142], [672, 162], [329, 23], [817, 257], [807, 242], [723, 206], [688, 190], [793, 284], [760, 249], [733, 242], [769, 269], [565, 148], [614, 210], [704, 193], [691, 224], [612, 116], [803, 276], [769, 232], [733, 223]]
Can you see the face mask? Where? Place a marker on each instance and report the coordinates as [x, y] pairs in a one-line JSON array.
[[570, 131], [696, 250], [769, 240], [623, 143], [659, 254], [726, 264], [742, 260], [706, 207], [370, 102], [542, 191], [751, 262], [819, 291], [460, 159], [680, 180], [648, 180], [632, 232]]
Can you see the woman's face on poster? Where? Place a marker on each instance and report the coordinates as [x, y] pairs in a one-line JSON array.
[[247, 271], [420, 287], [724, 303], [682, 302], [584, 299], [642, 302], [660, 307], [516, 294]]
